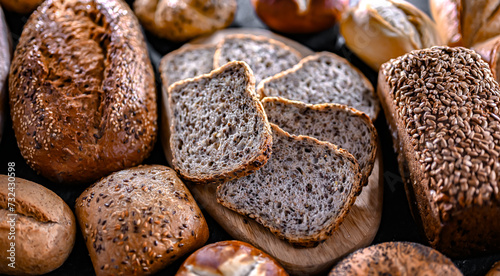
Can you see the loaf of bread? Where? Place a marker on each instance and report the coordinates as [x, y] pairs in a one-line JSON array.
[[397, 259], [323, 78], [44, 226], [265, 56], [230, 258], [139, 220], [20, 6], [219, 130], [82, 90], [442, 105], [303, 192], [340, 125], [5, 50], [180, 20]]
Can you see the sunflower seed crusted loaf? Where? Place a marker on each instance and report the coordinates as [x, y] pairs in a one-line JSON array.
[[303, 192], [340, 125], [443, 108], [219, 130], [187, 62], [323, 78], [265, 56]]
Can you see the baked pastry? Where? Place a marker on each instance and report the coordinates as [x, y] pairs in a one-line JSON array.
[[323, 78], [303, 192], [45, 228], [20, 6], [219, 130], [5, 50], [139, 220], [442, 105], [340, 125], [82, 90], [397, 259], [180, 20], [230, 258], [265, 56]]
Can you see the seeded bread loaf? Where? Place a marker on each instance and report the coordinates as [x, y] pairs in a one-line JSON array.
[[139, 220], [45, 228], [323, 78], [219, 130], [265, 56], [5, 50], [303, 192], [340, 125], [82, 90], [397, 259], [442, 105], [230, 258]]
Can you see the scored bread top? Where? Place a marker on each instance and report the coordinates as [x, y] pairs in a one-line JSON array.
[[264, 55], [219, 130], [323, 78], [303, 192], [340, 125]]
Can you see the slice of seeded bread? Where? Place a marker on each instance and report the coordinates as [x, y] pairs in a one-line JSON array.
[[265, 56], [323, 78], [219, 130], [187, 62], [303, 192], [340, 125]]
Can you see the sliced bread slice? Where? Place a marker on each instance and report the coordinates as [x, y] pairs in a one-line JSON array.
[[340, 125], [265, 56], [187, 62], [303, 192], [219, 130], [323, 78]]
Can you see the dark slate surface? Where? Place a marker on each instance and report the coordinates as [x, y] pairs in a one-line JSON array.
[[397, 223]]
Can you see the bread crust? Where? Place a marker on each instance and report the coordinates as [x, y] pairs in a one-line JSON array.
[[86, 107], [139, 220], [226, 257], [248, 166], [489, 51], [45, 228]]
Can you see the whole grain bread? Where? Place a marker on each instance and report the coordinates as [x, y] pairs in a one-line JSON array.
[[264, 55], [45, 228], [340, 125], [82, 90], [5, 55], [323, 78], [398, 259], [443, 108], [139, 220], [303, 192], [219, 130]]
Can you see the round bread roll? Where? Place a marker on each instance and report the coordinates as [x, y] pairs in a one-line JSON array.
[[180, 20], [396, 258], [495, 270], [137, 221], [41, 226], [230, 258]]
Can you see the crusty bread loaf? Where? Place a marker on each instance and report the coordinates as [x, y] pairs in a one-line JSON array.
[[45, 228], [323, 78], [340, 125], [442, 105], [230, 258], [398, 259], [82, 90], [139, 220], [5, 50], [265, 56], [20, 6], [219, 130], [303, 192]]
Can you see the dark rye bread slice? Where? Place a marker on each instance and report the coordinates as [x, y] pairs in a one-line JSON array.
[[219, 130], [187, 62], [265, 56], [340, 125], [323, 78], [303, 192]]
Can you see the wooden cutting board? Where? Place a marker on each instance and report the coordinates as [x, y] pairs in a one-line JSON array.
[[358, 229]]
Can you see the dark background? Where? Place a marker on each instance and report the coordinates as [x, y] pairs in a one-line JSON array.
[[397, 223]]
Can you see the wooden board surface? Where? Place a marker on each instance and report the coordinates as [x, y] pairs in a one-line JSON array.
[[358, 229]]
